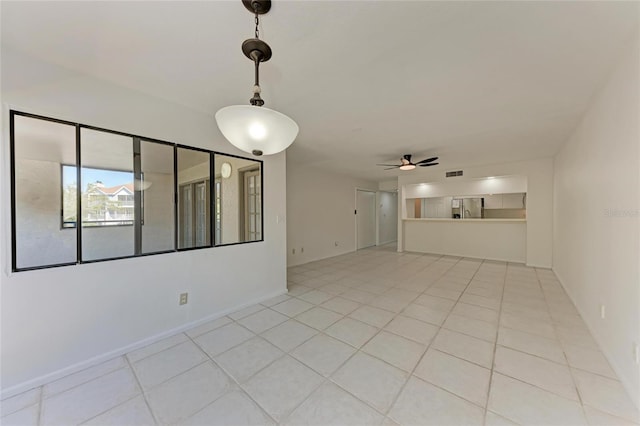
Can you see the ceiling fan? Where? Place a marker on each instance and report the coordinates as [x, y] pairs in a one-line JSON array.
[[406, 164]]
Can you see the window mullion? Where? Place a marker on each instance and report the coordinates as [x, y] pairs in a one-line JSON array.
[[78, 197], [137, 197]]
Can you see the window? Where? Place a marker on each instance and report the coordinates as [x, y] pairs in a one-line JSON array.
[[106, 171], [38, 148], [218, 209], [114, 183], [157, 197]]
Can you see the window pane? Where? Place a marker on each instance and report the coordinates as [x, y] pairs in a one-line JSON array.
[[194, 206], [69, 196], [157, 197], [44, 200], [106, 174], [218, 209], [240, 207]]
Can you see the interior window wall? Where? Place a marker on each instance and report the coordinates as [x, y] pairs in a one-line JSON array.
[[131, 196]]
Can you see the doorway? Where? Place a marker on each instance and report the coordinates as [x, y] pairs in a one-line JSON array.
[[387, 217], [365, 219]]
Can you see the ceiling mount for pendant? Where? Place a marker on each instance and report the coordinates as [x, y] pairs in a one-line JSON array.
[[259, 7]]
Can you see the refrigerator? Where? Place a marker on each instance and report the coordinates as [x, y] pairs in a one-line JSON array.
[[467, 208]]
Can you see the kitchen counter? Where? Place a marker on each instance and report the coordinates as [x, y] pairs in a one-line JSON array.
[[496, 239]]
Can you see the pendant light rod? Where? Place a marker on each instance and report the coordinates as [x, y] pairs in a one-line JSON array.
[[255, 49]]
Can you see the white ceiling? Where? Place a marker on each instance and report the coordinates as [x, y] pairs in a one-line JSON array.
[[471, 82]]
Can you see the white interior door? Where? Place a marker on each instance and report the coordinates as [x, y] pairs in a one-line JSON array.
[[365, 218]]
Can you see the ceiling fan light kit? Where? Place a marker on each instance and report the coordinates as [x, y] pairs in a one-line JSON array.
[[406, 163], [253, 128]]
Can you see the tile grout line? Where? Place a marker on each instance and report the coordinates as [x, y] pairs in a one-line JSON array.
[[555, 331], [495, 345], [40, 405], [142, 391]]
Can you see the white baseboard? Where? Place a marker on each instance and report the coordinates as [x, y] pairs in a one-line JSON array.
[[82, 365]]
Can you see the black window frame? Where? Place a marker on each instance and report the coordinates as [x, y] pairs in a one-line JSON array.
[[138, 194]]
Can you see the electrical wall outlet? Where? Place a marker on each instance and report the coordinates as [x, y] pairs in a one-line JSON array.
[[603, 312], [301, 249], [184, 297], [293, 251], [336, 244]]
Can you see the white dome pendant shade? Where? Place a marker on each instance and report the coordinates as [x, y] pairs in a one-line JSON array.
[[256, 129], [252, 128]]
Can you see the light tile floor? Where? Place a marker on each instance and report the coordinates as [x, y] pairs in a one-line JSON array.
[[373, 337]]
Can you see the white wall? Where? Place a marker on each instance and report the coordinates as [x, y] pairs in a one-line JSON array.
[[539, 188], [596, 246], [387, 217], [55, 321], [320, 212], [388, 185]]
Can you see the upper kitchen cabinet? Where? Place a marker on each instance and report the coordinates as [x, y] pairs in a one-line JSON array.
[[505, 201], [493, 201], [513, 201]]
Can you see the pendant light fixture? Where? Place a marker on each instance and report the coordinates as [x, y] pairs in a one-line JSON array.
[[253, 128]]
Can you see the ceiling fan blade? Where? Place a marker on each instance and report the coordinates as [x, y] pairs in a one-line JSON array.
[[407, 157], [394, 167], [428, 164], [428, 160]]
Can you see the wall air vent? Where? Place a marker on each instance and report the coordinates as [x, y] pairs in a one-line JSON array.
[[454, 174]]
